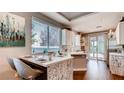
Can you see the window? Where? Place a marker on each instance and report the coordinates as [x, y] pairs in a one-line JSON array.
[[54, 37], [45, 37]]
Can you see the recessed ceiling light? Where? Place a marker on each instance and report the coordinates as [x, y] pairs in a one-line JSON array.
[[98, 26]]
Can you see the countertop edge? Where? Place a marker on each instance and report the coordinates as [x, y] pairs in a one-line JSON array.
[[116, 54]]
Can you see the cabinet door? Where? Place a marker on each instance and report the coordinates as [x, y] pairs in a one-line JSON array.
[[117, 34], [64, 37], [120, 33]]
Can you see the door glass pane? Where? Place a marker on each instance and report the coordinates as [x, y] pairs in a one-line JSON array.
[[95, 43], [93, 47], [95, 52], [101, 46]]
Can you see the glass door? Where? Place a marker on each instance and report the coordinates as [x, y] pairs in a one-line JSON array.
[[97, 47]]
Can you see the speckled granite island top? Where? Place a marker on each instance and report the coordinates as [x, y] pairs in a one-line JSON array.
[[48, 63], [60, 68]]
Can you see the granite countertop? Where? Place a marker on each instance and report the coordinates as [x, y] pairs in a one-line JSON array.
[[47, 62], [78, 53], [117, 54]]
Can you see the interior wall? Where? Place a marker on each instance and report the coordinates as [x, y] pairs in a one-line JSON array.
[[21, 51]]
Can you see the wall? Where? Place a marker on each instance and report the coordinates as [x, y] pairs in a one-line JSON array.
[[20, 51]]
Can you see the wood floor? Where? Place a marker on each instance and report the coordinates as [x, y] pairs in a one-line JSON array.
[[96, 70]]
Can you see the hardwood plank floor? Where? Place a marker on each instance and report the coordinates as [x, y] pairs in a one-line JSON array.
[[96, 70]]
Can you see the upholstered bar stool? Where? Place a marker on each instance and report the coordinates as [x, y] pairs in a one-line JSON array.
[[25, 71], [11, 63]]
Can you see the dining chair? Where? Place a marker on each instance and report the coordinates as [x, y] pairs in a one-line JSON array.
[[25, 71]]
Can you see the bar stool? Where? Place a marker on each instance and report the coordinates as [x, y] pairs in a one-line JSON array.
[[25, 71]]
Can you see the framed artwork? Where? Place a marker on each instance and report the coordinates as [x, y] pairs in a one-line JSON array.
[[12, 30]]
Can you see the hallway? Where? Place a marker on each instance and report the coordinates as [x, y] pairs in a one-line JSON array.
[[96, 70]]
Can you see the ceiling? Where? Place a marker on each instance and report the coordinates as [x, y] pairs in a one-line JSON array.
[[73, 15], [87, 21]]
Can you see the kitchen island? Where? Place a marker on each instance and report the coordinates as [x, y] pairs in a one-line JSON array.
[[80, 61], [116, 63], [59, 68]]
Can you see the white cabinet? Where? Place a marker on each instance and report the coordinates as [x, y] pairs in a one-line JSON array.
[[69, 38], [120, 33], [116, 64], [66, 37]]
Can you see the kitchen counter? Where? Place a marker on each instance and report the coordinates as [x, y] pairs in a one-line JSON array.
[[117, 54], [78, 53], [47, 63], [60, 68]]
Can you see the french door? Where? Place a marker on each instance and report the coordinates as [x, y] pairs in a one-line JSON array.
[[97, 46]]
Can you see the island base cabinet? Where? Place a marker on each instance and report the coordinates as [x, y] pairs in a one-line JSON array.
[[60, 71], [116, 64], [117, 71], [79, 63]]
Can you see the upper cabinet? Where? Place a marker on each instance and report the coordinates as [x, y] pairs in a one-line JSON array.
[[120, 33], [66, 37]]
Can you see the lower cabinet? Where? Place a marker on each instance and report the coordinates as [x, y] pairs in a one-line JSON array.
[[116, 63], [79, 63]]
